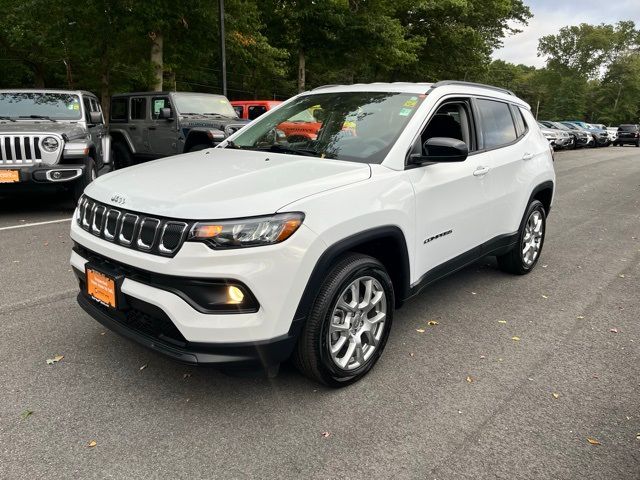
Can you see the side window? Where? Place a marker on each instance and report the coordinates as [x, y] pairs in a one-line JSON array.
[[453, 120], [119, 110], [521, 123], [138, 108], [239, 110], [256, 110], [87, 108], [158, 103], [497, 123]]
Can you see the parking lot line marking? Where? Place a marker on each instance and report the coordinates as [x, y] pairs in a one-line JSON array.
[[36, 224]]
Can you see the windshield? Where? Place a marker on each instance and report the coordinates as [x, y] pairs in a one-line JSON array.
[[57, 106], [204, 104], [352, 126], [570, 125]]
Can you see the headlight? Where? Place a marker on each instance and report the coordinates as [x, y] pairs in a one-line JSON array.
[[50, 144], [249, 232]]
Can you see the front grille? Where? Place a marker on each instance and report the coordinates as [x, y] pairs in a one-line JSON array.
[[156, 235], [20, 150]]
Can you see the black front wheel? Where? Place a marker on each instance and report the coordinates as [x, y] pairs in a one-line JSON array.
[[349, 322], [120, 156]]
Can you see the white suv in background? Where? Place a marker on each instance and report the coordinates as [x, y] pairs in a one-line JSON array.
[[263, 249]]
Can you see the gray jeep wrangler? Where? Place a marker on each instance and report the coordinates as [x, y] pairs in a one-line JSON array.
[[150, 125], [51, 138]]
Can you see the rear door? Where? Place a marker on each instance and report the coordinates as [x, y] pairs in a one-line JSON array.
[[138, 124], [96, 130], [511, 150]]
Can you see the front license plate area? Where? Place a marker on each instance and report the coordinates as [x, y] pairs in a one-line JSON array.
[[102, 287], [9, 176]]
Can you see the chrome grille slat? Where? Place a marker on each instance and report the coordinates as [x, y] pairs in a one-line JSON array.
[[13, 150], [157, 236]]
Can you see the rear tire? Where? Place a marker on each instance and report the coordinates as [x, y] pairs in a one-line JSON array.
[[349, 322], [89, 175], [525, 255]]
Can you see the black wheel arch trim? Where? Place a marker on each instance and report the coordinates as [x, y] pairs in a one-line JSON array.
[[547, 185], [348, 244]]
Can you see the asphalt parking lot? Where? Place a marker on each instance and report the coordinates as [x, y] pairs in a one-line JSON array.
[[522, 377]]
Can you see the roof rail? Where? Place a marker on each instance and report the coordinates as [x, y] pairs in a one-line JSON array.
[[325, 86], [443, 83]]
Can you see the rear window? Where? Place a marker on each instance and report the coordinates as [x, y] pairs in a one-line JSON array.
[[119, 110], [256, 110], [627, 128], [497, 123]]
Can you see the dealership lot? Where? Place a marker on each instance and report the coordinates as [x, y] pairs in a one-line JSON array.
[[469, 397]]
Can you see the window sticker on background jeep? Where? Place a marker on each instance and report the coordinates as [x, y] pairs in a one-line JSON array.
[[405, 112]]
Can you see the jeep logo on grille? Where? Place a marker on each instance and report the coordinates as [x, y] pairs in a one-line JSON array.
[[118, 199]]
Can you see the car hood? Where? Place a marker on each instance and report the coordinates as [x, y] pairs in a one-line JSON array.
[[71, 130], [222, 183]]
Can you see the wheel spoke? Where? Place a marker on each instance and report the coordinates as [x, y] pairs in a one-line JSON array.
[[359, 351], [366, 298], [344, 361], [336, 347]]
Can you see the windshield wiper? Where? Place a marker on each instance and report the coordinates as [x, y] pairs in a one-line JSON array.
[[218, 115], [39, 117], [282, 149], [3, 117]]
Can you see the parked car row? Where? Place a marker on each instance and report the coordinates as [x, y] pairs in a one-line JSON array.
[[581, 134]]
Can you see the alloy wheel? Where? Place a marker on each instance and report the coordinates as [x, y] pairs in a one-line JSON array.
[[532, 239], [357, 323]]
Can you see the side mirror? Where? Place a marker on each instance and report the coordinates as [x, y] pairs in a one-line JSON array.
[[95, 118], [165, 114], [441, 150]]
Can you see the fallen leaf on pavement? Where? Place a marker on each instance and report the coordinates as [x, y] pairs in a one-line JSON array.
[[545, 266], [593, 441], [143, 366], [481, 357], [56, 359], [26, 414], [411, 354], [92, 444], [473, 293], [420, 330], [621, 275], [544, 296], [637, 436], [555, 395], [515, 339], [432, 323], [614, 330], [186, 375], [469, 379], [326, 434], [580, 317], [502, 321]]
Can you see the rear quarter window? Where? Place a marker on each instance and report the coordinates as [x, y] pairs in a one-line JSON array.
[[498, 127]]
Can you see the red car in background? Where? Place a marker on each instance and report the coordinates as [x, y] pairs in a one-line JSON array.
[[303, 126]]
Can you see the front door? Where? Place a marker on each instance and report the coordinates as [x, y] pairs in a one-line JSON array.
[[450, 197], [162, 132]]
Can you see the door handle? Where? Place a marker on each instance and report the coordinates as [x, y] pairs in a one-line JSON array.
[[132, 127], [481, 171], [527, 156]]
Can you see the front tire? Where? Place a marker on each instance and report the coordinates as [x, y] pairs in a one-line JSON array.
[[89, 175], [121, 157], [525, 255], [349, 322]]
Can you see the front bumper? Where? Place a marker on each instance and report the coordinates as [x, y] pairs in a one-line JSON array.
[[43, 175], [276, 276]]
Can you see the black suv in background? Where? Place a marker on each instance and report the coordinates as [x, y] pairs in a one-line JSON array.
[[629, 133], [150, 125]]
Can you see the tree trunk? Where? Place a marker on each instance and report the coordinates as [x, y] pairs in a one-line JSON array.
[[38, 75], [156, 60], [301, 71], [105, 91]]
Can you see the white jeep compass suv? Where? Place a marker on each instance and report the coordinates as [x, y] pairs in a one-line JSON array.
[[269, 247]]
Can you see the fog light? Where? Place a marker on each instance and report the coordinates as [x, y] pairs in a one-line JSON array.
[[235, 295]]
